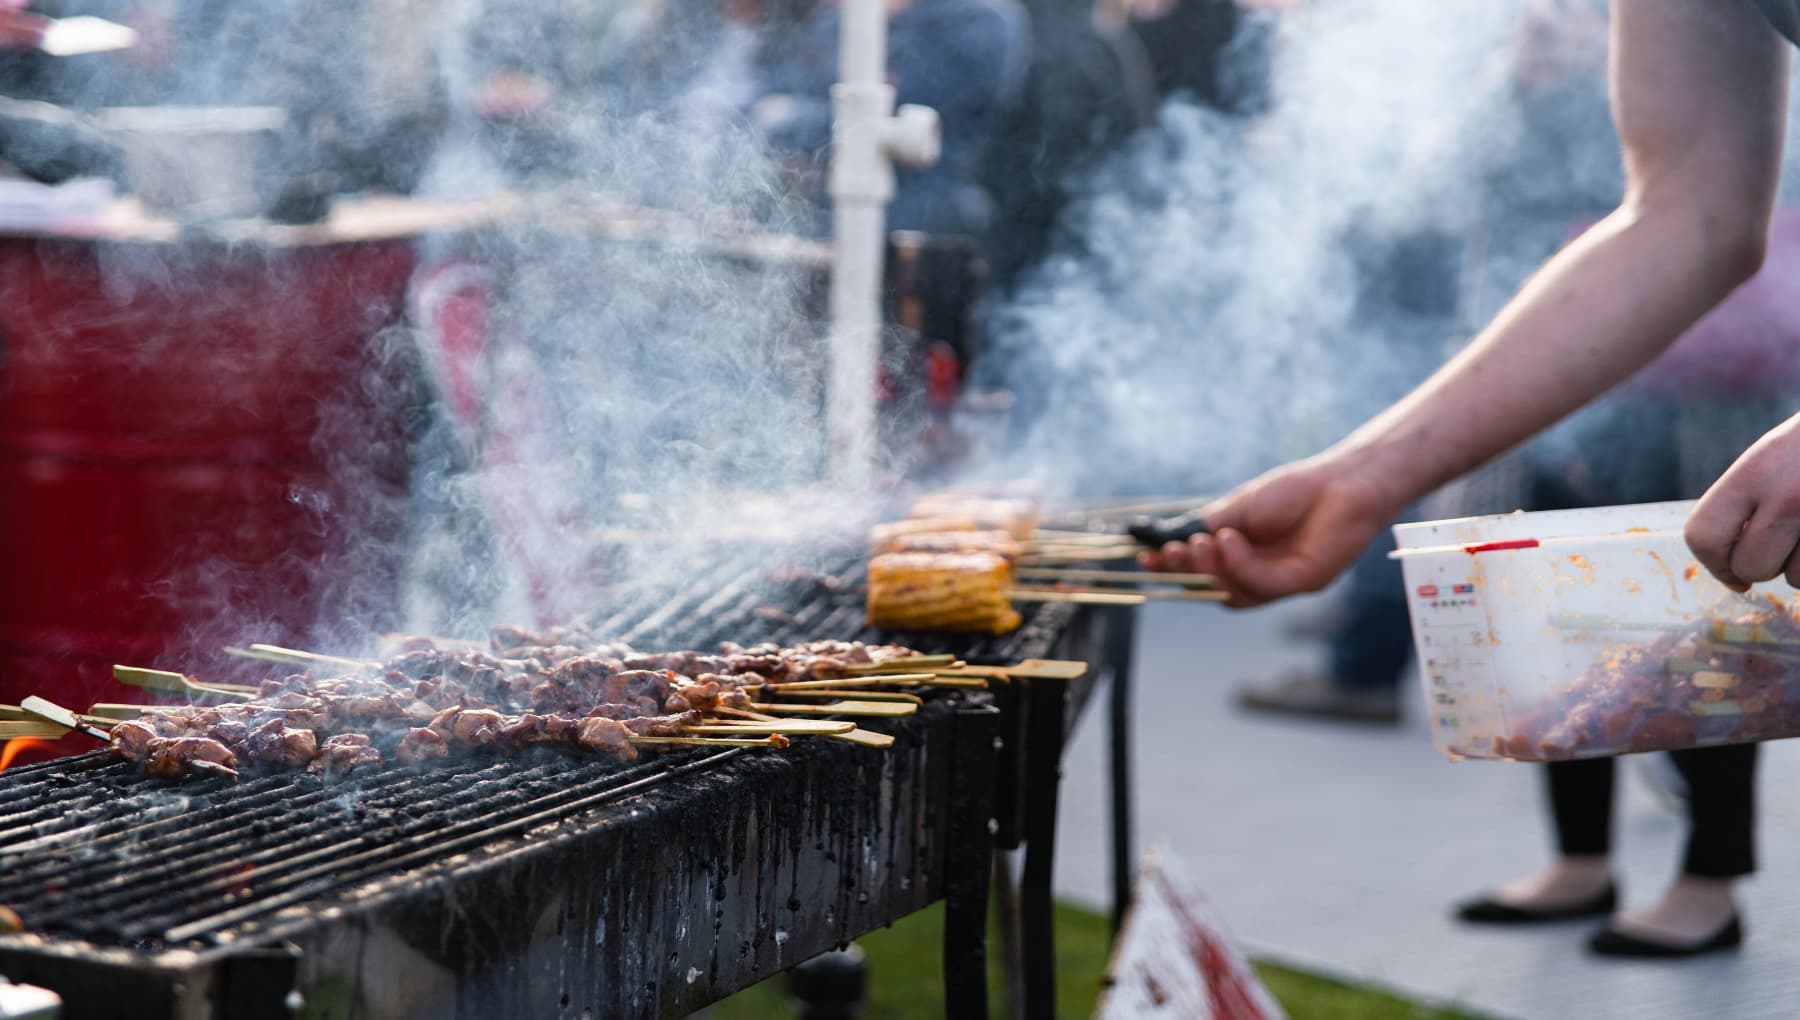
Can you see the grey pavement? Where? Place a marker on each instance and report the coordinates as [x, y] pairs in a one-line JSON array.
[[1341, 848]]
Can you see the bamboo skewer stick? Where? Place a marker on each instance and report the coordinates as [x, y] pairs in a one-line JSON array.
[[30, 729], [1081, 554], [899, 664], [1188, 595], [1084, 598], [1110, 508], [106, 713], [1139, 576], [56, 715], [1027, 669], [296, 657], [857, 736], [842, 682], [859, 695], [868, 708], [177, 683], [773, 740], [1042, 537], [785, 727]]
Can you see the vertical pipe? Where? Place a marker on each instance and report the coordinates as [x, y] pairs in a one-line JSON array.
[[855, 338], [862, 181]]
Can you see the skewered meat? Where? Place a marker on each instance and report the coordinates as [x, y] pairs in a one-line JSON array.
[[598, 733], [421, 744], [343, 754], [174, 756], [927, 591], [273, 743], [131, 739], [421, 705]]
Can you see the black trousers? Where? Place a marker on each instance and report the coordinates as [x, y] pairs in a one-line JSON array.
[[1721, 808]]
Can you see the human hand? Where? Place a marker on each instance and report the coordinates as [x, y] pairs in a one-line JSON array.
[[1292, 530], [1747, 527]]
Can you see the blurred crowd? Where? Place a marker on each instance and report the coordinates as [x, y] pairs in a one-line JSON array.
[[407, 96]]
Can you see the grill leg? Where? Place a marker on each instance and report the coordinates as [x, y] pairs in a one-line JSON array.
[[1006, 921], [1116, 652], [1046, 710], [970, 847]]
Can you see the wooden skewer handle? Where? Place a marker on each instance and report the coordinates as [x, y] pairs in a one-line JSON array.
[[774, 740], [1085, 597], [1139, 576], [789, 727]]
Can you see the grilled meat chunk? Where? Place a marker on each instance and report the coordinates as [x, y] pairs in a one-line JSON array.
[[175, 756], [343, 754]]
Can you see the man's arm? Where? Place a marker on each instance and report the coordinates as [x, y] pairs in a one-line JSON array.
[[1699, 97]]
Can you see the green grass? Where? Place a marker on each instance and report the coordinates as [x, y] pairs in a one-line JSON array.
[[906, 980]]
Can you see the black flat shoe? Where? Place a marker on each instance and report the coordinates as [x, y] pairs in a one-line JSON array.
[[1609, 941], [1488, 911]]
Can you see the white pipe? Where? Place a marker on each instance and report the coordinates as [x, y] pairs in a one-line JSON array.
[[862, 182], [865, 136]]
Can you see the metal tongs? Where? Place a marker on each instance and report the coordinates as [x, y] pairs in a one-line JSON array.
[[1158, 532]]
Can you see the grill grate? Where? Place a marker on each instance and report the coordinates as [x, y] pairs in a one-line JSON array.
[[749, 608], [92, 851]]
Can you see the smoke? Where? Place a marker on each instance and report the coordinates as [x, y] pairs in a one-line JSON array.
[[1236, 292], [634, 358]]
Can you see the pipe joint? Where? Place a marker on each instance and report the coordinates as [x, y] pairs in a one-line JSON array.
[[860, 170], [912, 137]]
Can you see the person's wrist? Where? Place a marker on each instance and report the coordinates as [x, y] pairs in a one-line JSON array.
[[1390, 476]]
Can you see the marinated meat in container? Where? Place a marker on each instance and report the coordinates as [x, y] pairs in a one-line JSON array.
[[1588, 633]]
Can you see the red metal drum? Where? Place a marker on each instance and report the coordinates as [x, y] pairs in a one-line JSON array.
[[201, 444]]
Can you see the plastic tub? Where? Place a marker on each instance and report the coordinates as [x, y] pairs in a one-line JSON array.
[[1587, 633]]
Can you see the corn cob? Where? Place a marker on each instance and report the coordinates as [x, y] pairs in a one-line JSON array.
[[920, 591]]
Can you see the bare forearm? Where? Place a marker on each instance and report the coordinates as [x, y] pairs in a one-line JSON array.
[[1603, 308]]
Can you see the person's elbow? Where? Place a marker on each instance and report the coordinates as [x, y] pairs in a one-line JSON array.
[[1737, 243], [1723, 238]]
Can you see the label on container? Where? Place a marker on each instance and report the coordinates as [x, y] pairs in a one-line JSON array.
[[1451, 629]]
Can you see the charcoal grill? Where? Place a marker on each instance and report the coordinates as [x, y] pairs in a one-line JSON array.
[[550, 885]]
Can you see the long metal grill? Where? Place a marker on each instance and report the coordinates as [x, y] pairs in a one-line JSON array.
[[186, 899]]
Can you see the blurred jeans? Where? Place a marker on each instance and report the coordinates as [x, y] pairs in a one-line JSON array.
[[1372, 641]]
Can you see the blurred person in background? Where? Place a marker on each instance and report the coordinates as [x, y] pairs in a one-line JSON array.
[[966, 59], [1096, 78], [1665, 435], [1699, 102], [1088, 88], [1212, 52]]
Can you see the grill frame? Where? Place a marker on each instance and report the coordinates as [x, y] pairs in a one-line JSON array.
[[960, 763], [424, 941]]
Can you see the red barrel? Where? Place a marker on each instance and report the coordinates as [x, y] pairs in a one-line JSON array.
[[200, 445]]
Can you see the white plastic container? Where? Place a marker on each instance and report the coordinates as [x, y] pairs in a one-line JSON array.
[[1586, 633]]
